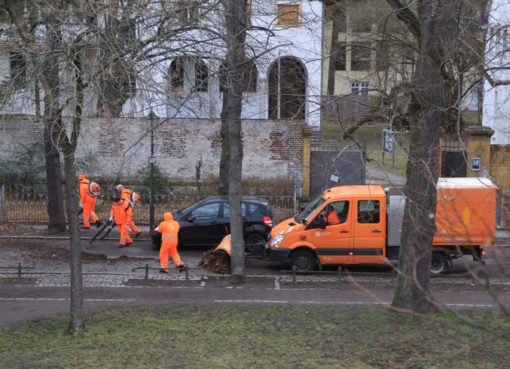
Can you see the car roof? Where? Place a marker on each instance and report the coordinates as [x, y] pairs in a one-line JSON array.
[[244, 198]]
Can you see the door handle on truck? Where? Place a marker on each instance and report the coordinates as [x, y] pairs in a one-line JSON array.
[[344, 231], [376, 231]]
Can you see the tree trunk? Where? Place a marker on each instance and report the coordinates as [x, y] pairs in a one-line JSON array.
[[235, 16], [76, 323], [49, 76], [419, 228], [225, 150]]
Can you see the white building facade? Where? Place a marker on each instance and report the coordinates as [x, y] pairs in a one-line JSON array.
[[185, 81], [496, 103]]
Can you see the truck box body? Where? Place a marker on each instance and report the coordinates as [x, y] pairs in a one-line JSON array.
[[465, 212]]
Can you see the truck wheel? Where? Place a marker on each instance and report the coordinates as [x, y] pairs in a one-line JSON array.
[[303, 260], [438, 263], [254, 243]]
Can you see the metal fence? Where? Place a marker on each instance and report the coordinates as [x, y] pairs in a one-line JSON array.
[[31, 208]]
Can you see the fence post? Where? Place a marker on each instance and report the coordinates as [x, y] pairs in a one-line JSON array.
[[3, 216]]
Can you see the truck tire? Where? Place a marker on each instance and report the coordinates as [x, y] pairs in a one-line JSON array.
[[439, 263], [303, 260]]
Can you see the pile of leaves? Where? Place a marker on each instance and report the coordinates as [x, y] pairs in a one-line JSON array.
[[215, 261]]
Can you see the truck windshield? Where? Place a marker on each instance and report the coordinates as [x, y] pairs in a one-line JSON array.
[[310, 209]]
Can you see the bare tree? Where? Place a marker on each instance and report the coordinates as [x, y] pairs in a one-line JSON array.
[[25, 27], [235, 18], [435, 27]]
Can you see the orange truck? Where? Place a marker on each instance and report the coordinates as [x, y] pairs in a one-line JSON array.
[[354, 225]]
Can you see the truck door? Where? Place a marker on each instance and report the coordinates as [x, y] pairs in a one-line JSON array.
[[369, 231], [334, 242]]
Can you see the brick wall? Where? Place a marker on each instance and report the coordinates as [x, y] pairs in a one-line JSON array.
[[500, 165], [121, 147], [479, 146]]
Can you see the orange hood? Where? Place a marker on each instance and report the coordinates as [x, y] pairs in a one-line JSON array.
[[168, 216], [285, 226]]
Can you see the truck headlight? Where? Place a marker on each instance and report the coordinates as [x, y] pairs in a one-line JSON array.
[[277, 240]]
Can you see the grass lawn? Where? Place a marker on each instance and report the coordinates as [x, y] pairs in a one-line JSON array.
[[287, 336]]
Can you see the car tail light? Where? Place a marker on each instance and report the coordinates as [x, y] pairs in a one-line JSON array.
[[268, 221], [483, 253]]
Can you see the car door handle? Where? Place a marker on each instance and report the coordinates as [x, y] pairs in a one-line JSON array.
[[376, 231], [344, 231]]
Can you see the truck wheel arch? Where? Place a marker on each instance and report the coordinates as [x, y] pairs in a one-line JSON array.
[[304, 250]]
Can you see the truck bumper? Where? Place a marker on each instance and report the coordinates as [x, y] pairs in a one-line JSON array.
[[281, 256]]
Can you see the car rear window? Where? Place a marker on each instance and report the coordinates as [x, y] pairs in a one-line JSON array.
[[248, 208]]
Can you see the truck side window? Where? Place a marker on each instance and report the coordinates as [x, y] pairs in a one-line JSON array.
[[368, 211], [335, 213]]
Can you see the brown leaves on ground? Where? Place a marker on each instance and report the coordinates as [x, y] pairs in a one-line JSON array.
[[216, 262]]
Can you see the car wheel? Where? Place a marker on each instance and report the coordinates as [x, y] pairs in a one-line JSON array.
[[438, 263], [254, 243], [303, 260]]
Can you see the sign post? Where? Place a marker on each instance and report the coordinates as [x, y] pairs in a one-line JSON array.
[[388, 145]]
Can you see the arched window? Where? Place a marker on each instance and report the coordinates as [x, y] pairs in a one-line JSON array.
[[177, 74], [287, 89], [201, 76], [250, 77]]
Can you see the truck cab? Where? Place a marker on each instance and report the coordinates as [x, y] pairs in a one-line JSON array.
[[343, 226]]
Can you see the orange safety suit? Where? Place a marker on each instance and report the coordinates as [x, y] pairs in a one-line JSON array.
[[332, 217], [88, 193], [132, 197], [119, 214], [169, 229]]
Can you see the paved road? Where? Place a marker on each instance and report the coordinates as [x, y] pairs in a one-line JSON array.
[[20, 303], [114, 281]]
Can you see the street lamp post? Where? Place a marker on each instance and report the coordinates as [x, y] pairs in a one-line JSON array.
[[151, 118]]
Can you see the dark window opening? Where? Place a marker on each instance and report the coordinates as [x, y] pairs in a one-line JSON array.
[[201, 76], [18, 68], [340, 56], [177, 74], [287, 89], [360, 57]]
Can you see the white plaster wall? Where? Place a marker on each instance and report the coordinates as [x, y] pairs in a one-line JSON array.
[[302, 42], [153, 91], [496, 102]]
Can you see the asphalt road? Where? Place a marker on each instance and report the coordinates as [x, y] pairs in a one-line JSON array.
[[20, 303], [270, 284]]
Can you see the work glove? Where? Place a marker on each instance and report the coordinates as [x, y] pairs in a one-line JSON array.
[[110, 221]]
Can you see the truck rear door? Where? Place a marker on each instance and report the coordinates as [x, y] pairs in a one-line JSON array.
[[369, 225]]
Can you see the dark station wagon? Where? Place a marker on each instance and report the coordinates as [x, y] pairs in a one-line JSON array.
[[205, 223]]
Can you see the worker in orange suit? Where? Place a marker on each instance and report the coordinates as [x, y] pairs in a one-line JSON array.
[[88, 193], [169, 229], [133, 199], [332, 216], [118, 214]]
